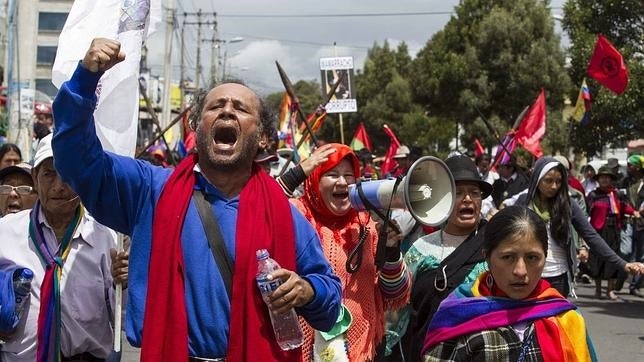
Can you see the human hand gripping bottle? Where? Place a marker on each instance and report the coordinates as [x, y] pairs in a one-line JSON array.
[[285, 326]]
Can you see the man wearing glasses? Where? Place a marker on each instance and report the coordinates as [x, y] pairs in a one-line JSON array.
[[16, 189]]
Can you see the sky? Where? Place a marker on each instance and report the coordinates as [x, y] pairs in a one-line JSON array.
[[281, 30]]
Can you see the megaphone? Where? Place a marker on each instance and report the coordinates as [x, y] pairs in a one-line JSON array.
[[426, 191]]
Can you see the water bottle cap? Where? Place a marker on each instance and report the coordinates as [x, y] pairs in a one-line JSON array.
[[27, 273], [261, 254]]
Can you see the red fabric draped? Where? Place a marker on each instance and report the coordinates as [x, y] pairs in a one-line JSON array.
[[263, 205]]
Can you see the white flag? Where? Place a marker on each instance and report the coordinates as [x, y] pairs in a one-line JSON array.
[[129, 22]]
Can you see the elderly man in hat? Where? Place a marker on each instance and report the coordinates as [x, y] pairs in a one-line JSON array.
[[71, 297], [17, 191]]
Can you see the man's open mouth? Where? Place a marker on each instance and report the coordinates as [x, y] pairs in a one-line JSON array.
[[225, 135]]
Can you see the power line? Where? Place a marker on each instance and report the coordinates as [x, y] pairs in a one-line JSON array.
[[309, 43], [350, 15], [354, 15]]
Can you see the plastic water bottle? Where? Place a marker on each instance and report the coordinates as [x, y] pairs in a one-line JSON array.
[[285, 326], [22, 289]]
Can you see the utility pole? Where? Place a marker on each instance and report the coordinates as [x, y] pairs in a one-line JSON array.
[[198, 70], [213, 57], [182, 79], [167, 71], [200, 22]]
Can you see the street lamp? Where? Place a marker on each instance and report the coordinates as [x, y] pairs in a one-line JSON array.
[[215, 58]]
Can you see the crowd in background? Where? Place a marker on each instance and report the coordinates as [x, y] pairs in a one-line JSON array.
[[524, 230]]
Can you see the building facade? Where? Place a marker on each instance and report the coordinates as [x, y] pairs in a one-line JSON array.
[[31, 33]]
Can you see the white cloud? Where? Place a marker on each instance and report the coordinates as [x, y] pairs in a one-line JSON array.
[[298, 43]]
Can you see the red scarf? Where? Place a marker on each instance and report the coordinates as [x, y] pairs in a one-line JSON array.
[[263, 205]]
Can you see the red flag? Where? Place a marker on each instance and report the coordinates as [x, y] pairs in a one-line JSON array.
[[478, 148], [533, 126], [389, 164], [607, 66], [360, 139]]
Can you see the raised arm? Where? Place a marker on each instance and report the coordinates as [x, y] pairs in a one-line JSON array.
[[112, 187]]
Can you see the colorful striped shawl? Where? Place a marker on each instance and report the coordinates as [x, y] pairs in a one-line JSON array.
[[49, 316], [560, 330]]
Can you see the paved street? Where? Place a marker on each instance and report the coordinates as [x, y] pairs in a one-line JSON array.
[[617, 328]]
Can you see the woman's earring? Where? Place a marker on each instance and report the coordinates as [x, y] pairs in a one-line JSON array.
[[489, 280]]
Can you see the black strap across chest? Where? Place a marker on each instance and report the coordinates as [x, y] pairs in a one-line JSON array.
[[215, 240]]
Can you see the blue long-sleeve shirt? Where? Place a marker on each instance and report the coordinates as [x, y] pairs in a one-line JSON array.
[[122, 194]]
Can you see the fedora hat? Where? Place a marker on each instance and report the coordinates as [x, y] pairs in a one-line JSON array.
[[606, 170], [464, 169]]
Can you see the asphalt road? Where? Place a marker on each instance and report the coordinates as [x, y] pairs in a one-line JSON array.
[[616, 327]]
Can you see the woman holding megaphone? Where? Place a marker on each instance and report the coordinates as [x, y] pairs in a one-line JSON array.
[[442, 260], [349, 239]]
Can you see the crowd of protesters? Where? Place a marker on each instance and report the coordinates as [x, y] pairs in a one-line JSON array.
[[495, 281]]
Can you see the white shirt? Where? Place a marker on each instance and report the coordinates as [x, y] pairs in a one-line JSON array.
[[489, 177], [556, 259], [86, 284]]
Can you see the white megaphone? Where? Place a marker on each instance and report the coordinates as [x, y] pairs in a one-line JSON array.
[[426, 191]]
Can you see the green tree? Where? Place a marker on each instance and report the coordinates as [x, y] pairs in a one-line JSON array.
[[613, 119], [384, 96], [494, 56]]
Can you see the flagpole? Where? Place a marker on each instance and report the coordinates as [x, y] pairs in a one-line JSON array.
[[335, 54], [494, 132], [167, 62]]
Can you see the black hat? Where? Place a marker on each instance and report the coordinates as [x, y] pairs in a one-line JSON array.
[[464, 169], [365, 155], [264, 156], [606, 170]]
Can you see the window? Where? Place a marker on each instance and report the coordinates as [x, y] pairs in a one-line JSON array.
[[46, 86], [51, 21], [46, 54]]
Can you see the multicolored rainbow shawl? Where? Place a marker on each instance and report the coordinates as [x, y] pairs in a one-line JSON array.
[[49, 322], [560, 330]]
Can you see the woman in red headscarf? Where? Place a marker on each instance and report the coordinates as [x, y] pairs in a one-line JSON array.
[[349, 240]]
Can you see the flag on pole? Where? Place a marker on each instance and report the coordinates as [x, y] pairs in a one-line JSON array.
[[315, 121], [533, 126], [607, 66], [288, 131], [285, 120], [130, 22], [360, 139], [478, 148], [389, 163], [501, 156], [582, 107]]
